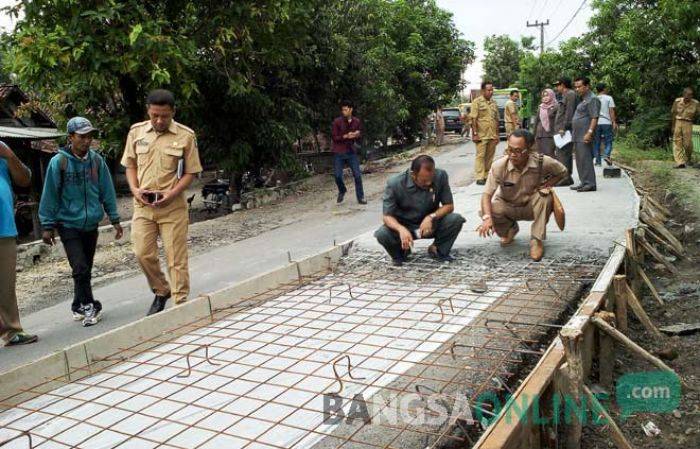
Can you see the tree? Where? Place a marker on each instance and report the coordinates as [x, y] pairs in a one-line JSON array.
[[502, 60], [251, 78]]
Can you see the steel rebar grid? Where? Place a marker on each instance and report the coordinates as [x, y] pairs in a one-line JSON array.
[[313, 295]]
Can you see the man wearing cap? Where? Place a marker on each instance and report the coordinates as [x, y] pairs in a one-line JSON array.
[[12, 171], [565, 112], [78, 190], [161, 160]]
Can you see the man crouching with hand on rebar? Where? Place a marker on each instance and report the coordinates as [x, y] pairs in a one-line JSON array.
[[418, 205], [519, 187]]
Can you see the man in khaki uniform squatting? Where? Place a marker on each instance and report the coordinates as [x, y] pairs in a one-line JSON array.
[[683, 113], [161, 160], [484, 115], [519, 189]]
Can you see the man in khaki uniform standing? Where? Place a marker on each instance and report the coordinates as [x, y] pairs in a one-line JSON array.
[[519, 188], [484, 115], [683, 113], [510, 113], [161, 160]]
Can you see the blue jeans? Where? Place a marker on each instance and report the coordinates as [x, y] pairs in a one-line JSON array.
[[339, 160], [603, 133]]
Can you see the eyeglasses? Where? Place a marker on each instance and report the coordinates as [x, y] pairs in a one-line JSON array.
[[516, 151]]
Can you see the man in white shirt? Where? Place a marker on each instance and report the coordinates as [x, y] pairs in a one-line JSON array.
[[607, 124]]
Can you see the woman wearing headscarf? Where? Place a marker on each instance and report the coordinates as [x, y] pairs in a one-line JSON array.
[[544, 123]]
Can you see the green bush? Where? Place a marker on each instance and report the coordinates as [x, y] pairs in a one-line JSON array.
[[652, 126]]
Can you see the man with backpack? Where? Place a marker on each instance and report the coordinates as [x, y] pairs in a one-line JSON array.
[[78, 190]]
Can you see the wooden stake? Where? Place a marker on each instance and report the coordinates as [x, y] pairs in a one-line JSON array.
[[615, 433], [606, 357], [619, 285], [657, 255], [626, 167], [632, 346], [572, 339], [640, 312], [665, 244], [661, 229], [649, 285], [632, 261], [658, 205]]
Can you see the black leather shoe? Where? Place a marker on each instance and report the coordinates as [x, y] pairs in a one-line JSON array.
[[680, 166], [362, 201], [578, 187], [341, 197], [587, 189], [480, 182], [565, 183], [158, 304]]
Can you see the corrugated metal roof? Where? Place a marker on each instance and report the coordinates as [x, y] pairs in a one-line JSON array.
[[30, 133]]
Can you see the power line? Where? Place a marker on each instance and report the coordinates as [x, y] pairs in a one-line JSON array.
[[544, 7], [534, 3], [556, 8], [569, 22]]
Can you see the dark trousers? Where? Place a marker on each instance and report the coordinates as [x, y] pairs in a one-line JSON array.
[[584, 163], [80, 250], [339, 161], [445, 232], [565, 156]]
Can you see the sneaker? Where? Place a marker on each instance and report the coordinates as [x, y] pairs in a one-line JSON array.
[[92, 315], [78, 312], [21, 338]]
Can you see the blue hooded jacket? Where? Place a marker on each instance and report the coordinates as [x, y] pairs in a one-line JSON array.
[[77, 192]]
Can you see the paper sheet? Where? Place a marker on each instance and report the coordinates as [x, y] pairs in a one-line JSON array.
[[560, 141]]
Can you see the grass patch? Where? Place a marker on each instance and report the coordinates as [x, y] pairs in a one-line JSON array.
[[628, 150]]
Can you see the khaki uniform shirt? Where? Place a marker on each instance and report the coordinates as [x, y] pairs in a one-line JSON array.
[[515, 186], [486, 114], [511, 110], [156, 156], [685, 111]]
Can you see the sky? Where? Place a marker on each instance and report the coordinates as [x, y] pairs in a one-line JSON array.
[[477, 19]]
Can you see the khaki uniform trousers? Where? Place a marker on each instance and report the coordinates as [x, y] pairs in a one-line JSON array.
[[9, 313], [485, 151], [683, 142], [170, 223], [510, 127], [537, 210]]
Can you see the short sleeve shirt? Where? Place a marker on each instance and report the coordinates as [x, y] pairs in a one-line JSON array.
[[517, 186], [511, 109], [587, 110], [486, 114], [686, 110], [410, 204], [7, 212], [606, 102], [156, 156]]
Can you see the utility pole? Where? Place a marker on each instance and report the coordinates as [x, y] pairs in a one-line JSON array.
[[541, 25]]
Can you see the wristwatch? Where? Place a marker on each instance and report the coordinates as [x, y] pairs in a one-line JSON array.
[[485, 217], [433, 216]]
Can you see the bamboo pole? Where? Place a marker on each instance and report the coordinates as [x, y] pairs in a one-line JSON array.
[[615, 433], [632, 346], [639, 311], [657, 255], [649, 285]]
